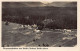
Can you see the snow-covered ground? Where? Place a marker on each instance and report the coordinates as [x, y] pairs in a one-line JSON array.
[[13, 35]]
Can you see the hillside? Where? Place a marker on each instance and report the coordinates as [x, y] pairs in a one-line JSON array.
[[65, 17]]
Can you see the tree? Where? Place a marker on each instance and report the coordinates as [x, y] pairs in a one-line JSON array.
[[47, 21]]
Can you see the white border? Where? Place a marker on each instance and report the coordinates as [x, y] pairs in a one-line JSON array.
[[77, 48]]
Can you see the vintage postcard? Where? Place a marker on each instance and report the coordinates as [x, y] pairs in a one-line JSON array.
[[39, 25]]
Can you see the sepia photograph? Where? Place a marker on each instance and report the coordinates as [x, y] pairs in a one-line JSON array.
[[39, 24]]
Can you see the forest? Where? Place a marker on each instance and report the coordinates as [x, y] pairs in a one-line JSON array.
[[62, 17]]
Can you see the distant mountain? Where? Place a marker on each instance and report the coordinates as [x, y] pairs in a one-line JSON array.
[[21, 4], [37, 4], [63, 4]]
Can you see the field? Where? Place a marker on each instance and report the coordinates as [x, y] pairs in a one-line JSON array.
[[13, 36]]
